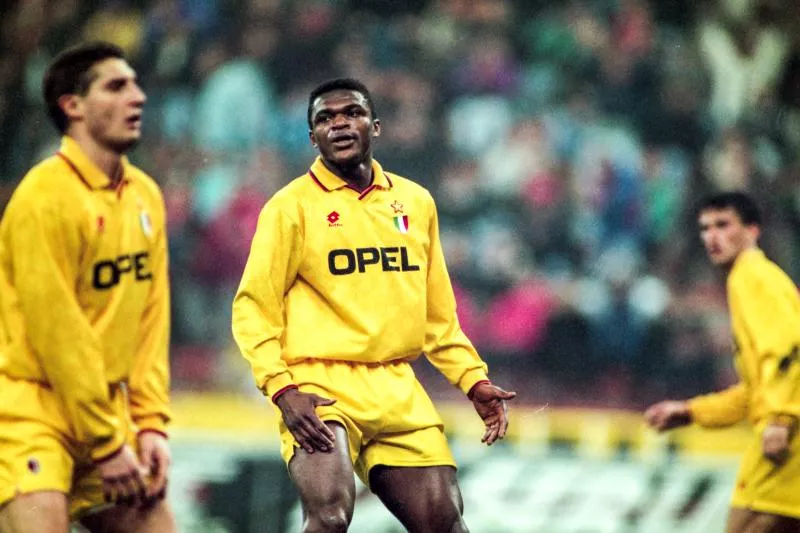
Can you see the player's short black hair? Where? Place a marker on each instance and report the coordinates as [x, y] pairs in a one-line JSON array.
[[340, 84], [742, 203], [70, 72]]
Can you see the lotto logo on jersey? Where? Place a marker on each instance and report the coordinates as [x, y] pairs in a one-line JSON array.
[[333, 219], [343, 261], [107, 274]]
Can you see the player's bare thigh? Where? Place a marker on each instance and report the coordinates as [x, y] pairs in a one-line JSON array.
[[325, 482], [424, 499], [156, 518], [748, 521], [36, 512]]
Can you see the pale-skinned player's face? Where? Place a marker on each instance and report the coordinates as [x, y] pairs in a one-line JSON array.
[[724, 235], [342, 127], [111, 109]]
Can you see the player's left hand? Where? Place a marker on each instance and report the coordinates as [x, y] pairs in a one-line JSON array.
[[775, 443], [155, 456], [490, 403]]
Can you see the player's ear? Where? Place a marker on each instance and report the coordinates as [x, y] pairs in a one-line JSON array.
[[70, 104], [376, 127], [312, 138], [755, 232]]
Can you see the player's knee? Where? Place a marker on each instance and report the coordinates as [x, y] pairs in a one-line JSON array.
[[327, 519], [121, 519], [445, 513]]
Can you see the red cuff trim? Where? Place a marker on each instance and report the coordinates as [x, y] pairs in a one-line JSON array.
[[109, 456], [149, 430], [282, 391], [469, 394]]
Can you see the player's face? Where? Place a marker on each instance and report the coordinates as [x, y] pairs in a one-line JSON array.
[[724, 235], [343, 127], [111, 109]]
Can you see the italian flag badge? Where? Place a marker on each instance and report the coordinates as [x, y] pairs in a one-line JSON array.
[[401, 222]]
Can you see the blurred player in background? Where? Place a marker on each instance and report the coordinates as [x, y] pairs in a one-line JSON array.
[[765, 315], [84, 317], [346, 285]]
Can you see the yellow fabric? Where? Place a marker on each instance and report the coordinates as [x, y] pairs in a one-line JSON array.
[[389, 418], [721, 409], [84, 296], [38, 451], [765, 317], [330, 276], [762, 486]]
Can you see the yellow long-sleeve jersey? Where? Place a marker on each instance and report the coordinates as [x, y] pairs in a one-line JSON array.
[[84, 296], [764, 306], [343, 275]]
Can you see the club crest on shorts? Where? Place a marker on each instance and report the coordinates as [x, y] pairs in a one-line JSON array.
[[147, 224], [33, 465]]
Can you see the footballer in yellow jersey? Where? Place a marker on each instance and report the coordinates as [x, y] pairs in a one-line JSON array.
[[84, 317], [345, 286], [764, 308]]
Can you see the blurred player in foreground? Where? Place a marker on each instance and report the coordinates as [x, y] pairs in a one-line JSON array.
[[765, 315], [84, 317], [346, 285]]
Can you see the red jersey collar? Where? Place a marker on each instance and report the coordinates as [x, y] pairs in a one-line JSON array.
[[329, 181], [84, 167]]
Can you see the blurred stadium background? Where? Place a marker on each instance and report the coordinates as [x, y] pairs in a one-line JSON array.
[[565, 143]]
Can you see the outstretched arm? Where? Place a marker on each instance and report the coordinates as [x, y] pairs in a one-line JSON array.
[[449, 349], [718, 409]]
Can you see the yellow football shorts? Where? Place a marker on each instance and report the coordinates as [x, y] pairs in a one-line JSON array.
[[762, 486], [37, 449], [389, 418]]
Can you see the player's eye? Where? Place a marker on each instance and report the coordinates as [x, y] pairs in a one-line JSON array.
[[116, 85]]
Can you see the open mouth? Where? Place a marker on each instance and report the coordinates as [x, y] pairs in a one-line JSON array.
[[343, 141], [134, 121]]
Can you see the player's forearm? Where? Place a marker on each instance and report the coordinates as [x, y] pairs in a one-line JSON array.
[[721, 409], [270, 372], [257, 334], [149, 399], [149, 380], [780, 391], [460, 365]]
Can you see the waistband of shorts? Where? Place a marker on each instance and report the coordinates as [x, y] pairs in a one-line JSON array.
[[359, 364]]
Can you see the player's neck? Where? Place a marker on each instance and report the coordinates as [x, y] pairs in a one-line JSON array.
[[107, 160], [357, 176], [728, 267]]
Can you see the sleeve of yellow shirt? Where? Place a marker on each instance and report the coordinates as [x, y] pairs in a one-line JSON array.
[[45, 253], [258, 314], [149, 380], [721, 409], [768, 307], [446, 345]]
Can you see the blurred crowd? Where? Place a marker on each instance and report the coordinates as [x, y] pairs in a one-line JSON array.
[[566, 143]]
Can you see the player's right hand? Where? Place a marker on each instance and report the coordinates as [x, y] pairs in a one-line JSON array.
[[667, 415], [123, 478], [300, 416]]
